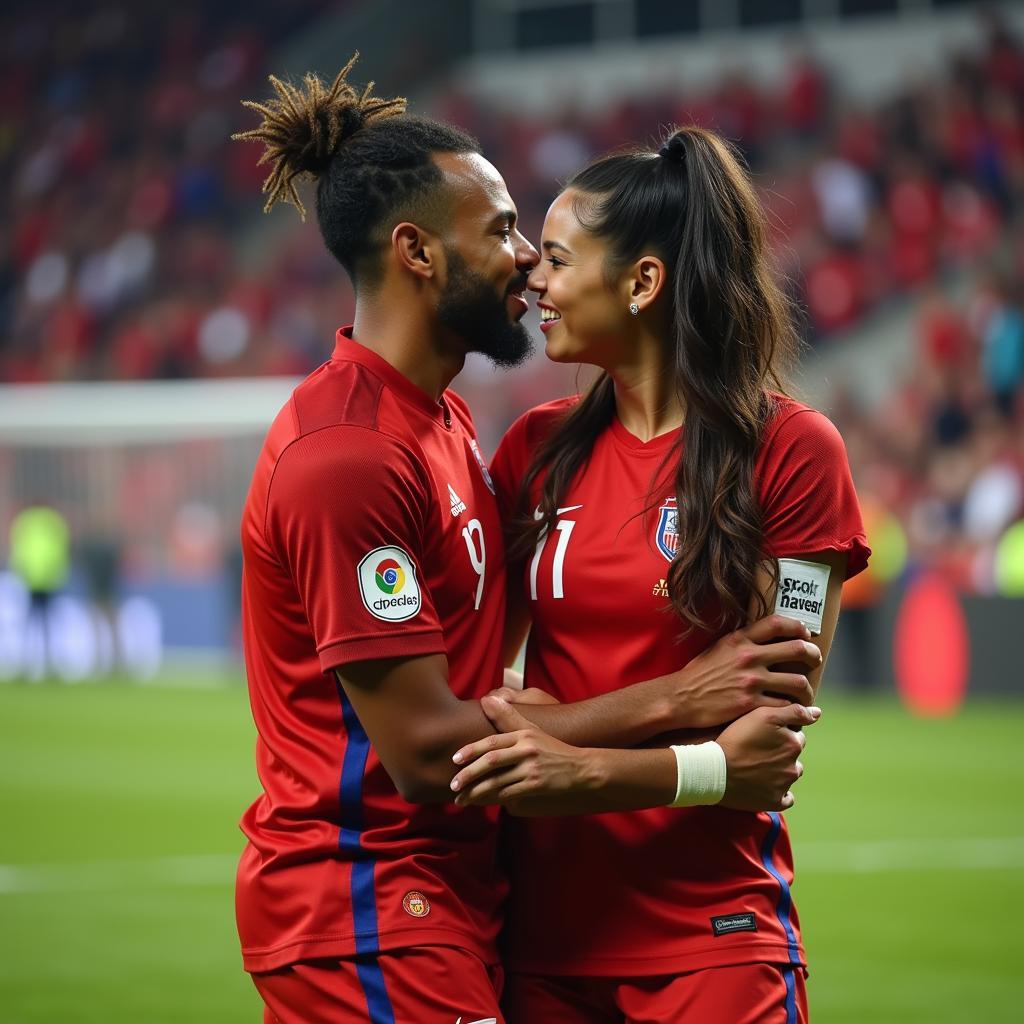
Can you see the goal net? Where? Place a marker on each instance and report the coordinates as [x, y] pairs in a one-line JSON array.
[[150, 478]]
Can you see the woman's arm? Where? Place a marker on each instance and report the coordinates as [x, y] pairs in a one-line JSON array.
[[532, 773], [732, 677], [799, 591]]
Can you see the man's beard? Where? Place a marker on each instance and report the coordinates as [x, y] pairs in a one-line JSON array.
[[470, 309]]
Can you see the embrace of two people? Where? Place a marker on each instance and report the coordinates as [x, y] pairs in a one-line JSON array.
[[635, 537]]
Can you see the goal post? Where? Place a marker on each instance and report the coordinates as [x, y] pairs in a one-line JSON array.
[[150, 477]]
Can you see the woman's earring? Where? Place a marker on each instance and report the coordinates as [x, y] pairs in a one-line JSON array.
[[634, 309]]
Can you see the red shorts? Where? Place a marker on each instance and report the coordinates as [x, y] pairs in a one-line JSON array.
[[422, 985], [744, 994]]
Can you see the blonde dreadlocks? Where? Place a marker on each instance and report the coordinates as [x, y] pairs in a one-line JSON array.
[[302, 131], [372, 162]]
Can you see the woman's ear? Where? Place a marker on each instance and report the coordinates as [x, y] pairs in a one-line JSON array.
[[646, 281]]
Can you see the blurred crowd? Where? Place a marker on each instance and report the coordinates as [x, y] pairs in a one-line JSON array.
[[939, 465], [864, 204], [134, 248], [129, 204], [124, 192]]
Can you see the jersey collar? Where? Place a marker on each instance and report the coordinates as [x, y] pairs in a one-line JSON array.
[[348, 350], [656, 446]]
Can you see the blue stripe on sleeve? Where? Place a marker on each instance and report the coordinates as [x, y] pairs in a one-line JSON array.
[[364, 901]]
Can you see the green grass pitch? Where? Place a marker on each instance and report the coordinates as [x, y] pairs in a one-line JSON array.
[[118, 832]]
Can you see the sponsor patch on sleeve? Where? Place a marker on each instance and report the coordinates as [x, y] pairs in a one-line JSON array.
[[388, 585], [802, 590]]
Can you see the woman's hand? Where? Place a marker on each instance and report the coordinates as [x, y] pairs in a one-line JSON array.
[[762, 756], [734, 676], [520, 695], [529, 772], [522, 768]]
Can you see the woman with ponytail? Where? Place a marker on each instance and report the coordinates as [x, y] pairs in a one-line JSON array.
[[374, 591], [682, 497]]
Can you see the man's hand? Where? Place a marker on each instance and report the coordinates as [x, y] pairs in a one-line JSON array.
[[734, 676], [762, 751]]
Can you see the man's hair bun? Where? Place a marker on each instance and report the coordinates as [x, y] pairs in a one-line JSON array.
[[303, 128]]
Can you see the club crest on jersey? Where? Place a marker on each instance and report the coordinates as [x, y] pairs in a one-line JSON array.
[[667, 534], [416, 904], [475, 448]]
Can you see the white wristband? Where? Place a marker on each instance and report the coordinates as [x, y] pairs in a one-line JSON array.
[[700, 774]]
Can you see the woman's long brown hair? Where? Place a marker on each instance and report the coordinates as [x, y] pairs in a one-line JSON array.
[[733, 335]]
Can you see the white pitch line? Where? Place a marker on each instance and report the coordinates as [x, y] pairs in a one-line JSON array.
[[967, 854], [811, 858], [111, 875]]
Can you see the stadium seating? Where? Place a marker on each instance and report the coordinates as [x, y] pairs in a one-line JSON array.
[[130, 254]]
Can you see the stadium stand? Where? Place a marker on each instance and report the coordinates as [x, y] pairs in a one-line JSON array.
[[128, 254], [125, 189]]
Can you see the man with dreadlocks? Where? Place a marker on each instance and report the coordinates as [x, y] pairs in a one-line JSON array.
[[372, 550], [374, 592]]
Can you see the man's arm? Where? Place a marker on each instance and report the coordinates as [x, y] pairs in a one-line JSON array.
[[413, 720]]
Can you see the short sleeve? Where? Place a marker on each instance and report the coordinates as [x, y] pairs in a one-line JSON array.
[[806, 491], [347, 515]]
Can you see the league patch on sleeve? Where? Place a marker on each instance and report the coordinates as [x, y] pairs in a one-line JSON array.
[[802, 590], [388, 586]]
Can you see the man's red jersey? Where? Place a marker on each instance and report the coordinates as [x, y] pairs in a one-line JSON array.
[[662, 890], [370, 531]]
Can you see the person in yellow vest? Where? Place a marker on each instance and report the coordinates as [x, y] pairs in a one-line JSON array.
[[40, 556], [864, 593]]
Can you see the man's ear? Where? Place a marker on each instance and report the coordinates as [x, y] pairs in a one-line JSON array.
[[416, 251]]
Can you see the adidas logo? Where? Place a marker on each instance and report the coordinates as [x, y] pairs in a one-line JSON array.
[[660, 588], [458, 505]]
